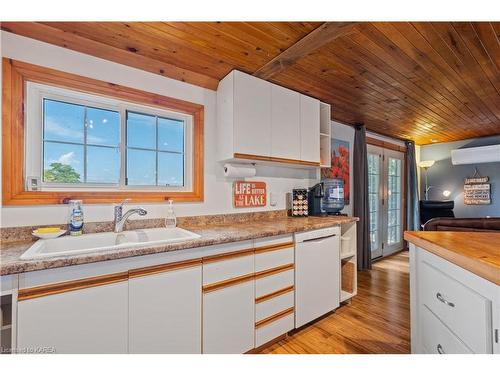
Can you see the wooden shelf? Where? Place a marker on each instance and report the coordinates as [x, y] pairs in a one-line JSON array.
[[347, 256], [344, 296]]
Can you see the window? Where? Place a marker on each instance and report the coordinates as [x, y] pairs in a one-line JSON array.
[[92, 140]]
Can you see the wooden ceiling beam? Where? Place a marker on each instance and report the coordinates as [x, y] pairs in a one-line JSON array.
[[77, 43], [324, 34]]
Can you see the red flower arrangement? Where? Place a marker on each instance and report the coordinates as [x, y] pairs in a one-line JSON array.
[[339, 167]]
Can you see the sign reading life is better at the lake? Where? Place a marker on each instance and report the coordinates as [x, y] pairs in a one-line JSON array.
[[249, 194]]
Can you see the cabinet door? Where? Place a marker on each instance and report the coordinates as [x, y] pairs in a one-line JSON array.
[[91, 320], [252, 115], [285, 123], [229, 319], [165, 312], [309, 128]]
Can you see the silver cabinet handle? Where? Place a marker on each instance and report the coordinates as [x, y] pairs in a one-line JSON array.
[[440, 297], [440, 349]]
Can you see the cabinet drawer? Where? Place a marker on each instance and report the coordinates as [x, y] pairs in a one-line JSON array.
[[215, 270], [271, 258], [464, 311], [437, 338], [270, 331], [273, 283], [274, 305]]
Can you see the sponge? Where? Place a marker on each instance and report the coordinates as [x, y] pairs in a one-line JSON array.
[[47, 230]]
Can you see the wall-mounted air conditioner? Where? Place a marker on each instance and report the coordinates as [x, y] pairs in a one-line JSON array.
[[476, 155]]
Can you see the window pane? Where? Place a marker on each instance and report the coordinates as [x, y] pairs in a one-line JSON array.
[[63, 121], [170, 169], [141, 167], [103, 165], [62, 163], [170, 135], [141, 130], [103, 127]]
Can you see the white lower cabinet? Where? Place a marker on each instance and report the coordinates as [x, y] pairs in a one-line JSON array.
[[90, 320], [165, 311], [453, 311], [228, 319]]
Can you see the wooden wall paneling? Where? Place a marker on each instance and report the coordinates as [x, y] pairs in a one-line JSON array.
[[317, 38], [420, 88], [387, 93], [487, 33], [389, 79], [453, 58], [470, 71], [413, 80], [74, 42], [433, 65]]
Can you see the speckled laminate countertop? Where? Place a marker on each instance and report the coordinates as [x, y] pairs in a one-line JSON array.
[[210, 235]]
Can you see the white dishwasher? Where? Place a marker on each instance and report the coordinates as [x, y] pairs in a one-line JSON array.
[[317, 274]]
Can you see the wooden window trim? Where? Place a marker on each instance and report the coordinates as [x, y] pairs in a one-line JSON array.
[[16, 74]]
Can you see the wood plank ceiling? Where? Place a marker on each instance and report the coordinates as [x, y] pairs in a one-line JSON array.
[[429, 82]]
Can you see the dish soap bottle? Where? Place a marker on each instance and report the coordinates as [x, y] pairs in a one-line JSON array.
[[75, 223], [170, 219]]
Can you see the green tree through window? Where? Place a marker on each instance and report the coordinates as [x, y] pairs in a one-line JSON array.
[[59, 172]]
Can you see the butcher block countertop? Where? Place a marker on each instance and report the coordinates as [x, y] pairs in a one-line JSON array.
[[477, 252], [210, 235]]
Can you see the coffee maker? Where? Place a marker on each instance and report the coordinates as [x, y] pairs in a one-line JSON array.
[[314, 197]]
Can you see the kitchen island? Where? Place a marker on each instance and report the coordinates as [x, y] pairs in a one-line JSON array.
[[454, 292]]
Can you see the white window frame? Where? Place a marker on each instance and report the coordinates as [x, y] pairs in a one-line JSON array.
[[36, 93]]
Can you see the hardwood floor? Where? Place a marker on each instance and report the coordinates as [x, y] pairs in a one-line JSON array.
[[377, 320]]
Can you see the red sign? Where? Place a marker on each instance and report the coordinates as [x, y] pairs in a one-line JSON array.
[[249, 194]]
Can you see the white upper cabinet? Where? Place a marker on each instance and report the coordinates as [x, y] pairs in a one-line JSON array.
[[258, 120], [285, 123], [309, 129]]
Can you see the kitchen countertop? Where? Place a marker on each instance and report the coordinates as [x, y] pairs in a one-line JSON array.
[[477, 252], [210, 235]]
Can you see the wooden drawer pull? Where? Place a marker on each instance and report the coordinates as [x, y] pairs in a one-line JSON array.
[[226, 256], [139, 272], [272, 271], [227, 283], [277, 293], [279, 246], [274, 317], [68, 286]]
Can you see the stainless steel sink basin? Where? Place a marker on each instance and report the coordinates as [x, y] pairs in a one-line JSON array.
[[98, 242]]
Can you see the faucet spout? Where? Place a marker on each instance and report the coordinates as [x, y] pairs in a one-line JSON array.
[[121, 218]]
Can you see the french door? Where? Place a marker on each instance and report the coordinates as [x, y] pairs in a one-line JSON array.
[[385, 192]]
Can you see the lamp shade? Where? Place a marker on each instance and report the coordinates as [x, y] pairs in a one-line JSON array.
[[426, 163]]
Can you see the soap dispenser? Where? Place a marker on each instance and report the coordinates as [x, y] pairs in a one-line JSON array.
[[170, 219]]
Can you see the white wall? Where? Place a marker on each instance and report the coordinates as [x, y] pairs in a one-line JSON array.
[[218, 189]]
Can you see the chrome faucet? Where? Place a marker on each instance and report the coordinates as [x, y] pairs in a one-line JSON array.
[[121, 218]]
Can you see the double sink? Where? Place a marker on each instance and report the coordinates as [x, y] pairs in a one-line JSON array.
[[98, 242]]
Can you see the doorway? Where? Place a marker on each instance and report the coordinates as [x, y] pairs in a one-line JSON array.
[[385, 192]]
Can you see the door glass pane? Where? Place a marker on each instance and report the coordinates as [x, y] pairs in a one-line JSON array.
[[393, 201], [373, 198]]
